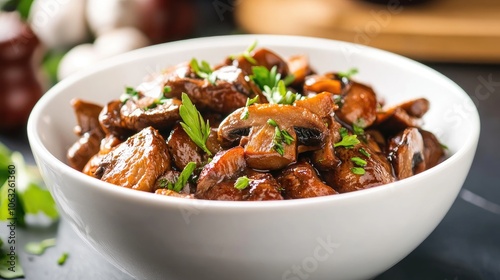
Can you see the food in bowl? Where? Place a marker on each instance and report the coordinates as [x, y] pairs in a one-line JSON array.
[[254, 127]]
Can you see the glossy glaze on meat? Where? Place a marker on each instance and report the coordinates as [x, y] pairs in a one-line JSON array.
[[333, 137]]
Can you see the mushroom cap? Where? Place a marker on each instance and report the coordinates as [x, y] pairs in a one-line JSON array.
[[286, 116]]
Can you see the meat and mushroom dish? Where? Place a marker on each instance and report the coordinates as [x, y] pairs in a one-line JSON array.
[[254, 127]]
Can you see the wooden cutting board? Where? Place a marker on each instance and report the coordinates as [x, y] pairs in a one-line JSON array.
[[438, 30]]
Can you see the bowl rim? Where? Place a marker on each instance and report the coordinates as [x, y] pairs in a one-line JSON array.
[[41, 151]]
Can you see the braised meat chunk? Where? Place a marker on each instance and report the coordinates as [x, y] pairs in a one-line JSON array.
[[137, 162]]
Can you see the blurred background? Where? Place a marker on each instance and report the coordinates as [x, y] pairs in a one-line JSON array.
[[45, 41]]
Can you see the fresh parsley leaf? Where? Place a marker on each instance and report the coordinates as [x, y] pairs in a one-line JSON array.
[[247, 54], [31, 197], [349, 73], [358, 126], [358, 170], [348, 141], [183, 177], [280, 137], [130, 93], [359, 161], [280, 94], [343, 132], [167, 89], [62, 259], [272, 122], [242, 183], [203, 70], [250, 101], [263, 77], [364, 152], [194, 124], [37, 248], [287, 138]]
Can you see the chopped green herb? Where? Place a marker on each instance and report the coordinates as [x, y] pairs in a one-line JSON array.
[[343, 132], [280, 94], [358, 161], [247, 54], [364, 152], [272, 122], [348, 74], [130, 93], [358, 126], [358, 170], [37, 248], [280, 137], [183, 177], [194, 124], [242, 182], [250, 101], [167, 89], [62, 259], [348, 141], [203, 71], [287, 138], [443, 146], [274, 89], [288, 80]]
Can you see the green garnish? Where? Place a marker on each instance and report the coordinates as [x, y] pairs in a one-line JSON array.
[[183, 177], [358, 170], [273, 88], [272, 122], [287, 138], [247, 53], [245, 114], [358, 126], [167, 89], [194, 124], [348, 74], [358, 161], [62, 259], [158, 101], [280, 137], [364, 152], [443, 146], [348, 141], [343, 132], [130, 93], [242, 182], [203, 70], [37, 248]]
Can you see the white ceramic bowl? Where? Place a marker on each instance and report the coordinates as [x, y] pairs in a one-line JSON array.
[[356, 235]]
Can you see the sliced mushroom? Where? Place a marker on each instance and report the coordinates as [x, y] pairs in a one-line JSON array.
[[407, 153], [136, 115], [229, 92], [319, 83], [298, 66], [433, 150], [300, 180], [344, 178], [263, 57], [323, 106], [90, 132], [303, 126], [417, 107], [137, 162], [359, 106], [404, 115], [225, 165]]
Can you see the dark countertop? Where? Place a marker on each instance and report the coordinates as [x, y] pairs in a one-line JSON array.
[[465, 245]]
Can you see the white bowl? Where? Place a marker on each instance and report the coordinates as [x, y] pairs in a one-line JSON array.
[[355, 235]]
